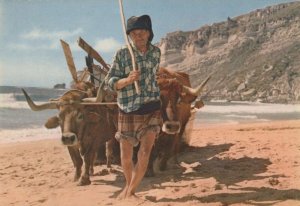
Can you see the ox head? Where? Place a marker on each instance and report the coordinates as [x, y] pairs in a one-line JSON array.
[[73, 116], [176, 97], [85, 86]]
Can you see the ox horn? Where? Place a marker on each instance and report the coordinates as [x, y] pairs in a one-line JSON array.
[[34, 107], [196, 91]]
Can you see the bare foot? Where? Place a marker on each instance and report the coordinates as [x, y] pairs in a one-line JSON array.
[[132, 196], [123, 194]]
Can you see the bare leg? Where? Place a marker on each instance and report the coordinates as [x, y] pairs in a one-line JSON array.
[[141, 166], [127, 164]]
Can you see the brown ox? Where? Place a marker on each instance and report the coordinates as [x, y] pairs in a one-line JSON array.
[[176, 97], [104, 96], [85, 127]]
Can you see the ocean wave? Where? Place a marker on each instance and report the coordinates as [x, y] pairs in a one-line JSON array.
[[10, 101], [12, 97], [24, 135], [242, 116]]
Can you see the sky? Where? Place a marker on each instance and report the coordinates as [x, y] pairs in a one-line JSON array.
[[30, 31]]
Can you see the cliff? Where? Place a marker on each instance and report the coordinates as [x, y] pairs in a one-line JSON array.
[[253, 57]]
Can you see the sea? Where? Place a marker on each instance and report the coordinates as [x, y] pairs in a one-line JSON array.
[[18, 123]]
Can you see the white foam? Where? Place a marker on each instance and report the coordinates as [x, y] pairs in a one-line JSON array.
[[9, 101], [23, 135], [242, 116], [219, 101]]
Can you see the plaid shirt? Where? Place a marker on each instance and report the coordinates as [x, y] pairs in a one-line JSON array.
[[148, 65]]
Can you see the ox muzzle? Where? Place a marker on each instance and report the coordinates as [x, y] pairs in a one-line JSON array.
[[69, 139], [171, 127]]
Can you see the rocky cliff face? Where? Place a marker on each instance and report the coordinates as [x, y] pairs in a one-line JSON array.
[[253, 57]]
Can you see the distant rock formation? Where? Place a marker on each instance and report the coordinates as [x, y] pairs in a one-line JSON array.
[[60, 86], [254, 57]]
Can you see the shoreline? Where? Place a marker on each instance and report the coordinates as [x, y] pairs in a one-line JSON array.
[[9, 136], [254, 163]]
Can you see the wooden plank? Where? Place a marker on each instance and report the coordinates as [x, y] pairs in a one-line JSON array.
[[92, 52], [69, 59]]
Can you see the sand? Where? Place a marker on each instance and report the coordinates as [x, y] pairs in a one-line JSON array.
[[241, 164]]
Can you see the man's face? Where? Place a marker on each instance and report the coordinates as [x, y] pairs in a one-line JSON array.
[[139, 37]]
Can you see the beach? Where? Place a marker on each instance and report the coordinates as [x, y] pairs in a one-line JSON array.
[[231, 164]]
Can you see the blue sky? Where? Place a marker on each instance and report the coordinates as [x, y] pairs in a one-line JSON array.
[[30, 30]]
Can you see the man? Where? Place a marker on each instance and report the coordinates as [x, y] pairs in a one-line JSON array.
[[139, 120]]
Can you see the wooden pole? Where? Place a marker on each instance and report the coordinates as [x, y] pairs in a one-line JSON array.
[[137, 88]]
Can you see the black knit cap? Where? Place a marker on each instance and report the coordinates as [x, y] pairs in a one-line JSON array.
[[140, 22]]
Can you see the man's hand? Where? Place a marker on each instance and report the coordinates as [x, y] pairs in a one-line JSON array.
[[133, 76]]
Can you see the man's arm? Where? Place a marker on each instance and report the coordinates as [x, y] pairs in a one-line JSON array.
[[133, 76]]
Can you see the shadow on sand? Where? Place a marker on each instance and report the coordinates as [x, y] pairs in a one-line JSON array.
[[226, 172], [253, 196]]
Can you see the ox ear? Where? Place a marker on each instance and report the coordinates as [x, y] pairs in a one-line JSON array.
[[52, 122], [199, 104]]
